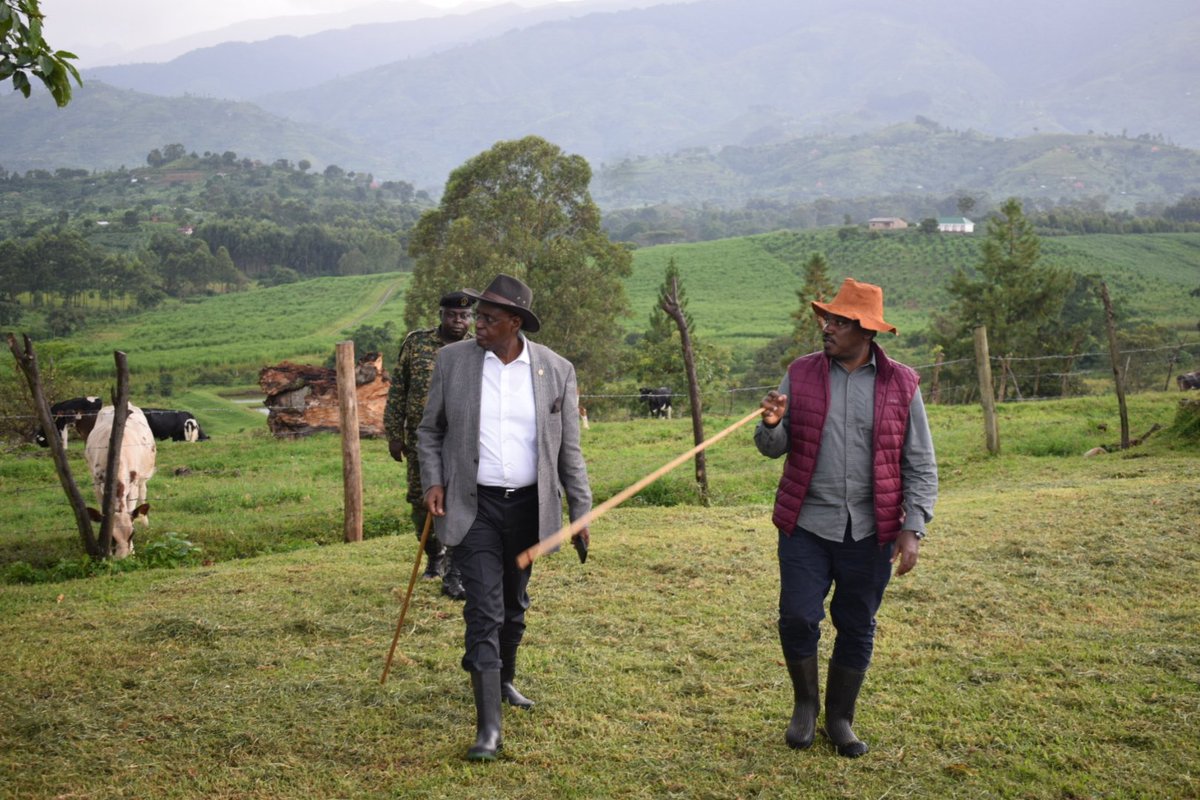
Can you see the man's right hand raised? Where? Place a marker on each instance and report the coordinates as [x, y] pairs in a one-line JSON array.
[[774, 407]]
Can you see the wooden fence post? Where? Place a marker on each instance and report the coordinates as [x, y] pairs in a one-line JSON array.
[[1171, 362], [987, 393], [1115, 356], [120, 401], [352, 525], [935, 386]]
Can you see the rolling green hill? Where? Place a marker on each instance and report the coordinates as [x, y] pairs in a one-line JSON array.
[[741, 293], [226, 339]]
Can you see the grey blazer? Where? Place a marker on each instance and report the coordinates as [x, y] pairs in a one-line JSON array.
[[448, 438]]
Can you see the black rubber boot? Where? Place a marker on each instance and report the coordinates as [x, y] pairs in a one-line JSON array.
[[508, 657], [486, 686], [841, 694], [806, 691], [435, 555], [434, 552], [452, 585]]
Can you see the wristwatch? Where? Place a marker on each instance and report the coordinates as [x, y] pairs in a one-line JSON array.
[[919, 534]]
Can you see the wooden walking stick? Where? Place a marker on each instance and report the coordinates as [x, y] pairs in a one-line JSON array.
[[411, 582], [526, 558]]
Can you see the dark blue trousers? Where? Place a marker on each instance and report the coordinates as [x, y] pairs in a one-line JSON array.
[[496, 588], [858, 573]]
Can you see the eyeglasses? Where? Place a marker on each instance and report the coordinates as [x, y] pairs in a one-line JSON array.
[[841, 323], [488, 320]]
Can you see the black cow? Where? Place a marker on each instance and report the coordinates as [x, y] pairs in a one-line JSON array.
[[78, 411], [178, 426], [1188, 380], [658, 401]]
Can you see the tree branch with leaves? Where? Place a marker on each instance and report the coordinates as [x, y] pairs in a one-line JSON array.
[[23, 52]]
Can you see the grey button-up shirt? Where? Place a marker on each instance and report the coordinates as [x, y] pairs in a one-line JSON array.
[[842, 486]]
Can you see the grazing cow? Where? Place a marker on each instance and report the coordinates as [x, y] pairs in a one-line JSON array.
[[178, 426], [1188, 380], [134, 468], [78, 411], [658, 401]]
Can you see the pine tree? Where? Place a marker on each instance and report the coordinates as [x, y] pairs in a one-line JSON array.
[[806, 333], [1019, 300]]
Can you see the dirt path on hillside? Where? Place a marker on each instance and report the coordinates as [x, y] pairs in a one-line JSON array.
[[387, 295]]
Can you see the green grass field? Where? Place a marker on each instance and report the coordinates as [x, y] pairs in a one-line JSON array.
[[1045, 647]]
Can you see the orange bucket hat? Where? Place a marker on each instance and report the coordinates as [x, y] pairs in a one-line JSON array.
[[862, 302]]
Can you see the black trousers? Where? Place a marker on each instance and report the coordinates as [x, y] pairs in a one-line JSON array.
[[494, 611], [858, 571]]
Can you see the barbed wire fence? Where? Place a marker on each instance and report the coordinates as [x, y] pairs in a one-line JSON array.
[[1167, 360], [730, 399]]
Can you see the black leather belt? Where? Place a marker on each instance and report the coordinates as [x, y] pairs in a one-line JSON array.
[[506, 493]]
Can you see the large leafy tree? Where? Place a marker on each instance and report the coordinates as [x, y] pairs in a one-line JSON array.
[[523, 208], [23, 52], [1020, 301]]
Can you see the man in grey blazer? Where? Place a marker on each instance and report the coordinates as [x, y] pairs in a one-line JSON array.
[[499, 444]]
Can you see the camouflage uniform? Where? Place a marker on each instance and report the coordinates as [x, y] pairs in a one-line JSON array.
[[401, 416], [406, 400]]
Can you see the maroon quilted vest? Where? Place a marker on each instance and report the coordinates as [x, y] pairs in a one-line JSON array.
[[808, 402]]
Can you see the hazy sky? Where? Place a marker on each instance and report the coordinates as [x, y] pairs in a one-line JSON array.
[[96, 28]]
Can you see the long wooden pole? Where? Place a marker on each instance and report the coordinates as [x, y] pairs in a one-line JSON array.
[[554, 540], [411, 582], [352, 493]]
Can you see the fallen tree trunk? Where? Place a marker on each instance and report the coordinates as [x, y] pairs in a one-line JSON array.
[[302, 399]]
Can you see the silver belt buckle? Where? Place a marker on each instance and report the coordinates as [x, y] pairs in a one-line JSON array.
[[508, 493]]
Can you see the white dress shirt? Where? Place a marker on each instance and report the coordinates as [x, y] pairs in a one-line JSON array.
[[507, 423]]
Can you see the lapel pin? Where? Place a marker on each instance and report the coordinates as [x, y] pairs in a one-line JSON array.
[[540, 373]]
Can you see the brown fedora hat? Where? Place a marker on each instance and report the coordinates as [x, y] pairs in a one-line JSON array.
[[513, 294], [862, 302]]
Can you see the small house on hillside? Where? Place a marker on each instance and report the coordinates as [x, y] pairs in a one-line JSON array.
[[955, 225], [886, 224]]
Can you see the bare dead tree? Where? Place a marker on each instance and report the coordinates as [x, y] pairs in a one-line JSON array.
[[668, 301], [27, 363]]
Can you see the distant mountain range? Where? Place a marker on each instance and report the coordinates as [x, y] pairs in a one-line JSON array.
[[910, 160], [412, 100]]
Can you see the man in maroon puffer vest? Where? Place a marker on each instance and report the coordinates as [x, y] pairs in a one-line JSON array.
[[858, 487]]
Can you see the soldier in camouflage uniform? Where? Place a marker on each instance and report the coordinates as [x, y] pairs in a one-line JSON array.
[[406, 403]]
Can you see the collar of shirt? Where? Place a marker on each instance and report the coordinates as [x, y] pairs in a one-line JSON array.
[[870, 363]]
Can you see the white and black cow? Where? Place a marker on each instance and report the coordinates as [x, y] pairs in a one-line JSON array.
[[178, 426], [1188, 380], [79, 412], [134, 467], [658, 401]]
